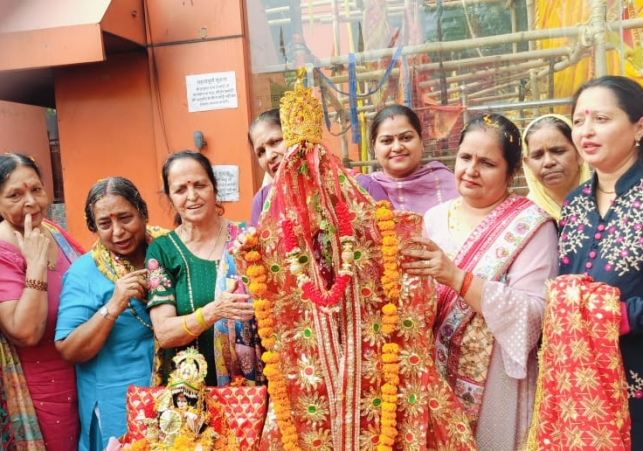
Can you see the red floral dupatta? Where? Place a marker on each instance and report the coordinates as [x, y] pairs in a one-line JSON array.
[[315, 272], [581, 394], [463, 341]]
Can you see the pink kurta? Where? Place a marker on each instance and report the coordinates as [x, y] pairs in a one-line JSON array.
[[513, 310], [51, 381]]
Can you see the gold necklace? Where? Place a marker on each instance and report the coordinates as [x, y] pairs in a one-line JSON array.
[[214, 246], [603, 191], [221, 221]]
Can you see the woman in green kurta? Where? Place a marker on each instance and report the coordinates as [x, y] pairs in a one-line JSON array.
[[195, 296]]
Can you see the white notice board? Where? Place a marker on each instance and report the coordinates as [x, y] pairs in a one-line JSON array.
[[215, 91], [227, 176]]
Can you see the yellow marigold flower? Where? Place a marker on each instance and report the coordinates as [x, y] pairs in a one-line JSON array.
[[387, 329], [256, 270], [386, 440], [392, 378], [394, 293], [270, 357], [390, 241], [390, 320], [386, 225], [389, 389], [389, 359], [391, 347], [268, 342], [270, 371], [388, 407], [389, 309], [389, 251], [383, 214]]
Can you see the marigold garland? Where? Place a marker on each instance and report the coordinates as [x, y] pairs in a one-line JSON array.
[[257, 274], [390, 351]]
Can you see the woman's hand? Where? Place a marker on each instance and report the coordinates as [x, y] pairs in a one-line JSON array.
[[425, 258], [33, 245], [131, 285], [229, 305]]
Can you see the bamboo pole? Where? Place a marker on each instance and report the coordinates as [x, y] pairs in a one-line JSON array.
[[464, 44]]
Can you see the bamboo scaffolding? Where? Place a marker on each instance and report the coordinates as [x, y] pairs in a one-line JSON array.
[[464, 44]]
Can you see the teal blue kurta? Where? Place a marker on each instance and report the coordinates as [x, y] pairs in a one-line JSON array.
[[127, 356]]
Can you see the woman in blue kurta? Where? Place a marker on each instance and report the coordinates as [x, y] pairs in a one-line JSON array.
[[602, 220], [103, 326]]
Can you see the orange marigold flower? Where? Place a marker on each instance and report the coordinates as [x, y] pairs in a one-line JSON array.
[[386, 225], [258, 289], [251, 241], [268, 342], [267, 322], [252, 256], [388, 329]]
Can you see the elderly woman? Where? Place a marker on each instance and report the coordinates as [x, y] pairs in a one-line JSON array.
[[601, 221], [103, 326], [396, 138], [195, 297], [491, 252], [267, 141], [34, 255], [552, 166]]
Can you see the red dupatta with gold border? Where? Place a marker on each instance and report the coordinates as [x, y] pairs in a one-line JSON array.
[[331, 357], [464, 343], [581, 394]]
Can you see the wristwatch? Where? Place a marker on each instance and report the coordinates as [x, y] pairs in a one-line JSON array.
[[104, 312]]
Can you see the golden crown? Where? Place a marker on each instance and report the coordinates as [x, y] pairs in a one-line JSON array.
[[301, 114], [189, 375]]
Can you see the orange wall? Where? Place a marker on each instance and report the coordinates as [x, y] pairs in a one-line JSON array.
[[23, 130], [124, 116]]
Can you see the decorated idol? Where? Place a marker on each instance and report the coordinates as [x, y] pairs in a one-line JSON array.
[[347, 332]]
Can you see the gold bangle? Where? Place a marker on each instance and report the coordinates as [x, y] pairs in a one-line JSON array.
[[200, 318], [36, 284], [185, 327]]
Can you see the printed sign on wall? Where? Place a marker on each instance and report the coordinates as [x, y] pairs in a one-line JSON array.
[[215, 91]]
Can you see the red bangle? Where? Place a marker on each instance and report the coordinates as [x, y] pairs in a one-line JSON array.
[[466, 283]]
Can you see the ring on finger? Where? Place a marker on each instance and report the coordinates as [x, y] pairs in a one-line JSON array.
[[427, 263]]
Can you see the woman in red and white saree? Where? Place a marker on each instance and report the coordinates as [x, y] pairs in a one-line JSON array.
[[349, 357], [491, 252]]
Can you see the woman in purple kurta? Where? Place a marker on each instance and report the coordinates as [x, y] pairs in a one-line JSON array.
[[396, 137]]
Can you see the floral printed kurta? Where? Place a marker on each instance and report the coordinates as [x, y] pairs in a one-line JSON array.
[[610, 250]]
